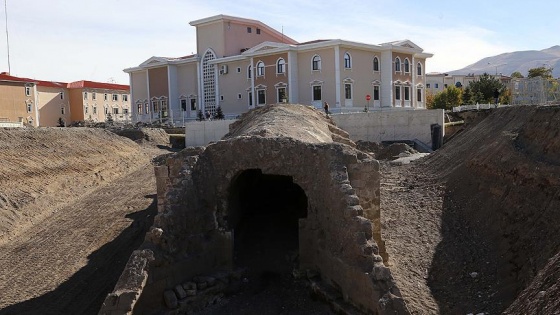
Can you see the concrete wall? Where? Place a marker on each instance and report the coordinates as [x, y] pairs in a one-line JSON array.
[[380, 126], [200, 133], [374, 126]]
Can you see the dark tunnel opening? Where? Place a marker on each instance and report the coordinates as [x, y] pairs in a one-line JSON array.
[[264, 215]]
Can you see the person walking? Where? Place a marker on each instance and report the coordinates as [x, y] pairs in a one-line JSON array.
[[496, 96], [326, 107]]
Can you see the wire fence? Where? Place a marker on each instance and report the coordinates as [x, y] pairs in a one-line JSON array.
[[535, 91]]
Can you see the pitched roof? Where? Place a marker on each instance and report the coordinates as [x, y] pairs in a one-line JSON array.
[[6, 77], [97, 85]]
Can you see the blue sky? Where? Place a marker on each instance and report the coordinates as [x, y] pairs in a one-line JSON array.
[[69, 40]]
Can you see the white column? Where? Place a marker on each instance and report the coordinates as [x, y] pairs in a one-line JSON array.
[[337, 75], [386, 88], [253, 74], [36, 94], [413, 100], [293, 87]]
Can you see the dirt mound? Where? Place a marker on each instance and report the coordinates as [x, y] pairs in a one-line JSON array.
[[386, 152], [46, 166], [499, 212], [152, 136]]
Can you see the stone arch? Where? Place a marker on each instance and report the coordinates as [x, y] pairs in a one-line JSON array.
[[338, 232]]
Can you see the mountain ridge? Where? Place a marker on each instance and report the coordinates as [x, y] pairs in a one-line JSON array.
[[509, 62]]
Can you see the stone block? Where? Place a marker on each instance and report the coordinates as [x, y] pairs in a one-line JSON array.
[[180, 292], [170, 299]]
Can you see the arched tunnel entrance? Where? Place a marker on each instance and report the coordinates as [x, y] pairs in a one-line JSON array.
[[264, 215]]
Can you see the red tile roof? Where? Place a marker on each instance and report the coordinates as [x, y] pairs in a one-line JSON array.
[[6, 77], [97, 85], [73, 85]]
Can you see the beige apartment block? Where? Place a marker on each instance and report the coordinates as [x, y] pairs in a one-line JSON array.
[[48, 104], [95, 101], [33, 102], [242, 64]]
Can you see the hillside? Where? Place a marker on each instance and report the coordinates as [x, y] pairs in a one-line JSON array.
[[521, 61], [473, 227], [74, 203]]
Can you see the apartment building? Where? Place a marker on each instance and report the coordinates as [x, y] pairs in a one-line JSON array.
[[32, 102], [437, 82], [46, 104], [96, 101], [242, 63]]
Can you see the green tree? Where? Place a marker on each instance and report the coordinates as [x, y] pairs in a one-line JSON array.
[[468, 96], [447, 98], [219, 113], [485, 85], [429, 99], [505, 96], [517, 75], [545, 73]]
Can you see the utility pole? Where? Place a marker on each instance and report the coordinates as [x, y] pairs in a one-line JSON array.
[[7, 37]]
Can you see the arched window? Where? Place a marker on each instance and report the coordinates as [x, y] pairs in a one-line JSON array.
[[281, 66], [260, 69], [406, 66], [419, 69], [397, 64], [249, 72], [375, 64], [316, 63], [347, 61], [209, 82]]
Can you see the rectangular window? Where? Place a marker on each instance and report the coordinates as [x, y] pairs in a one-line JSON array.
[[258, 31], [93, 96], [86, 109], [282, 95], [193, 103], [348, 91], [184, 105], [61, 95], [317, 93], [106, 110], [249, 30], [29, 108], [27, 91], [125, 111], [445, 86], [428, 85], [419, 95], [238, 69], [239, 96], [62, 111], [155, 106], [115, 110], [376, 93], [85, 95], [115, 97], [125, 97], [221, 97], [437, 86], [250, 97], [261, 97], [105, 96], [398, 93], [139, 105], [146, 108], [407, 93], [94, 110]]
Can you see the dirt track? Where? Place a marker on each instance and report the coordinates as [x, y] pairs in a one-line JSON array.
[[73, 253]]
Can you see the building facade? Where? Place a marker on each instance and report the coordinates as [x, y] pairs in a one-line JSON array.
[[437, 82], [47, 104], [242, 63], [96, 101]]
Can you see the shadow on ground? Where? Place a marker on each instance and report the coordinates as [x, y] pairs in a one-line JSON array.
[[86, 290]]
